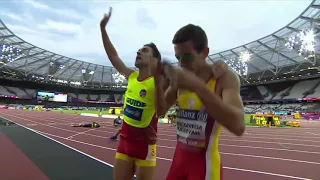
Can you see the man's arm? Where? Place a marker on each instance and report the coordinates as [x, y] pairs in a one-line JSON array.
[[110, 50], [113, 55], [165, 95], [227, 110]]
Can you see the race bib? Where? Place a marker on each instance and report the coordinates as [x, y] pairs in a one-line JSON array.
[[191, 127]]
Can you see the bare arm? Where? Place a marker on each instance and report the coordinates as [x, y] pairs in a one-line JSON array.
[[113, 55], [110, 50], [227, 110], [165, 96]]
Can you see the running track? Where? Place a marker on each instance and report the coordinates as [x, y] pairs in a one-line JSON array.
[[261, 153]]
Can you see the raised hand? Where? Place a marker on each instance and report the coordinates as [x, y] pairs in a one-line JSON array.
[[219, 68], [170, 73], [106, 18]]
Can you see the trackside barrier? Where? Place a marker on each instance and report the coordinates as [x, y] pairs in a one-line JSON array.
[[111, 116], [88, 114]]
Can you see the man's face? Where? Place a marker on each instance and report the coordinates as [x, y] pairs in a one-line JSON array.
[[187, 56], [144, 56]]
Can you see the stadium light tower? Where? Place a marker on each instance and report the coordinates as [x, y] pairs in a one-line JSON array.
[[304, 43], [245, 57], [9, 53], [240, 63]]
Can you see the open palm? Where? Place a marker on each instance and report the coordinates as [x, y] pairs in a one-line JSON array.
[[106, 18]]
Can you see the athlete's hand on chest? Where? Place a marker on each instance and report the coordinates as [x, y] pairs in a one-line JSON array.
[[188, 80], [219, 68], [181, 79]]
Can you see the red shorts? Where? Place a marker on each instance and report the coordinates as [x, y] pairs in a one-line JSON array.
[[142, 153], [187, 165]]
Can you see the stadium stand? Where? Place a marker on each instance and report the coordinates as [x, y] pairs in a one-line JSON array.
[[279, 72]]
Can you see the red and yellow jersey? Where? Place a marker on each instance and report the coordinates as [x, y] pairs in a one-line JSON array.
[[197, 131], [140, 121]]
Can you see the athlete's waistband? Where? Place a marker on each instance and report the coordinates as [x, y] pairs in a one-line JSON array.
[[139, 140], [190, 148]]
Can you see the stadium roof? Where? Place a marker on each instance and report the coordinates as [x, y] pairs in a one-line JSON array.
[[265, 57]]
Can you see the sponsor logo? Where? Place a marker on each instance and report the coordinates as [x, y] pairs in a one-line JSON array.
[[143, 93]]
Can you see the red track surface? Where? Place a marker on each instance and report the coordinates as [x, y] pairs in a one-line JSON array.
[[15, 159], [262, 153]]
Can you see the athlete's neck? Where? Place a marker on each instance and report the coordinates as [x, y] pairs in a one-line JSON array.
[[144, 73], [204, 71]]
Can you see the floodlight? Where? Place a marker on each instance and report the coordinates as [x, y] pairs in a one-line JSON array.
[[245, 56], [304, 42], [83, 71], [238, 66], [118, 78], [91, 72]]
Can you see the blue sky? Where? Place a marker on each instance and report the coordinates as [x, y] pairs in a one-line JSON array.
[[71, 28]]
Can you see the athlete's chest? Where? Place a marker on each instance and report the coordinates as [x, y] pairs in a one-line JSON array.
[[143, 91]]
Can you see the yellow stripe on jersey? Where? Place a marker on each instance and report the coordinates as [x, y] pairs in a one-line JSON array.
[[213, 161]]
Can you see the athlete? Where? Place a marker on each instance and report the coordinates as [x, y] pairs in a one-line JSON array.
[[115, 137], [87, 125], [206, 103], [117, 121], [137, 146]]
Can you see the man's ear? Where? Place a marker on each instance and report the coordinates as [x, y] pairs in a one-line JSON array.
[[205, 53]]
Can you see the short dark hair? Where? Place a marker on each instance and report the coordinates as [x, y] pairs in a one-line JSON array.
[[156, 52], [192, 33]]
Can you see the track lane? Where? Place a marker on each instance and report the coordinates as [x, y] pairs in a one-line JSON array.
[[97, 131]]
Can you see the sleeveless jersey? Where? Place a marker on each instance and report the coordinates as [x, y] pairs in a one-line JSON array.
[[196, 129], [140, 122]]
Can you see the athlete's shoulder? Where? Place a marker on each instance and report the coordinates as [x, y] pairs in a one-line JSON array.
[[133, 74], [229, 79]]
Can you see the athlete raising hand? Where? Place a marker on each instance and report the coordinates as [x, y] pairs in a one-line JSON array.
[[137, 146]]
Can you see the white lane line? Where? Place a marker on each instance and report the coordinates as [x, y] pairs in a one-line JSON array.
[[37, 132], [233, 154], [222, 135], [31, 124], [313, 133], [167, 159], [257, 135], [273, 158], [266, 173], [79, 133], [174, 140], [103, 162]]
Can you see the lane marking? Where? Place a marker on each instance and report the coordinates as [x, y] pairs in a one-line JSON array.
[[170, 147], [313, 133], [61, 143], [274, 158], [79, 133], [220, 136], [168, 139], [256, 132], [276, 149], [167, 159], [31, 124], [283, 145], [230, 168], [266, 173]]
